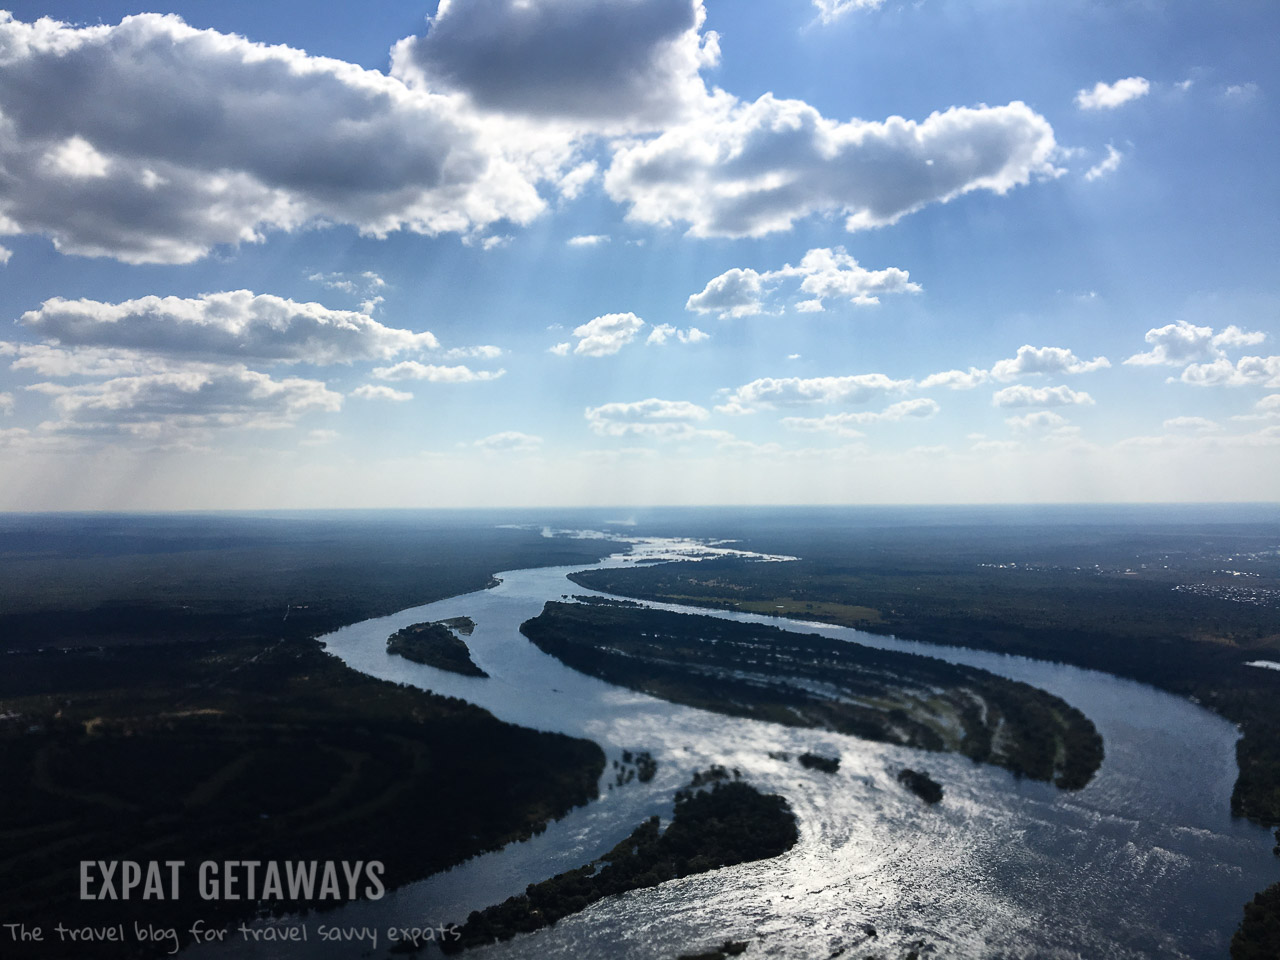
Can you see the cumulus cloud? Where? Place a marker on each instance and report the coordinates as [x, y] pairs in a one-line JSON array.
[[1245, 372], [152, 141], [613, 65], [51, 361], [1043, 421], [956, 379], [167, 407], [790, 391], [823, 272], [662, 419], [237, 325], [1191, 425], [1108, 164], [560, 349], [370, 391], [842, 424], [1025, 396], [587, 240], [434, 373], [5, 254], [6, 403], [663, 332], [511, 441], [748, 169], [1183, 342], [1108, 96], [832, 10], [484, 351], [607, 334], [1045, 360]]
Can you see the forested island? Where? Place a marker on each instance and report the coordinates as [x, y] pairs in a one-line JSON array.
[[729, 823], [805, 680], [435, 644]]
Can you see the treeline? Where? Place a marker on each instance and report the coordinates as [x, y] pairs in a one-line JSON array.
[[765, 673], [728, 824]]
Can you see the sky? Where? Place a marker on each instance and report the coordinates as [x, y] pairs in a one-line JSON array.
[[610, 252]]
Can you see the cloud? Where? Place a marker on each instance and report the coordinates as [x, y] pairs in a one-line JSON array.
[[5, 255], [1183, 342], [748, 169], [510, 440], [1245, 372], [1042, 422], [823, 272], [413, 370], [1191, 425], [1041, 360], [587, 240], [484, 351], [790, 391], [735, 293], [152, 141], [832, 10], [236, 325], [842, 424], [560, 349], [607, 334], [366, 283], [663, 332], [663, 419], [319, 438], [1025, 396], [170, 407], [6, 403], [371, 391], [607, 64], [956, 379], [1108, 164], [51, 361], [1109, 96]]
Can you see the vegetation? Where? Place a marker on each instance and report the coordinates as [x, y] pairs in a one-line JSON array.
[[436, 645], [213, 751], [1259, 935], [729, 823], [811, 681], [815, 761], [921, 784]]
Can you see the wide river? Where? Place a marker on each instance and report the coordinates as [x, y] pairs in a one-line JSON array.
[[1145, 862]]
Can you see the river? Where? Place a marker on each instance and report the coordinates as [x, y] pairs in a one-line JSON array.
[[1145, 862]]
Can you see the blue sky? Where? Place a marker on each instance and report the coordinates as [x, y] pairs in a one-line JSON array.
[[525, 252]]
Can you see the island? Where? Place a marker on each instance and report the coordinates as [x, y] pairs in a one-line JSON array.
[[805, 680], [921, 784], [717, 823], [436, 644]]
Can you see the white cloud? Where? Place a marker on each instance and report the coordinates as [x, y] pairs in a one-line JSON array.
[[789, 391], [1109, 164], [607, 334], [5, 255], [367, 283], [842, 424], [168, 407], [152, 141], [663, 332], [587, 240], [236, 325], [573, 182], [956, 379], [590, 62], [832, 10], [1025, 396], [1247, 371], [1105, 96], [6, 403], [1043, 421], [823, 272], [748, 169], [371, 391], [560, 349], [1041, 360], [413, 370], [510, 440], [1241, 92], [484, 351], [1183, 342], [663, 419], [319, 438], [1191, 425], [51, 361]]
